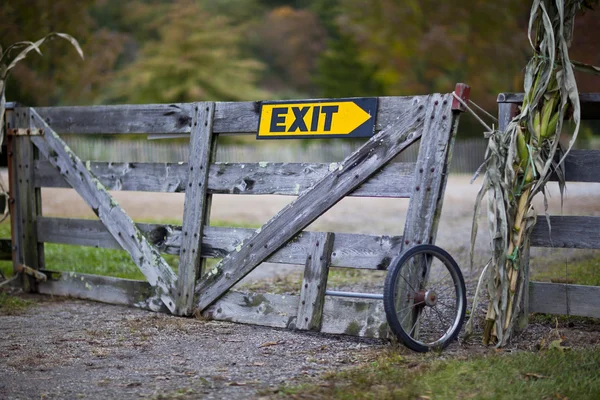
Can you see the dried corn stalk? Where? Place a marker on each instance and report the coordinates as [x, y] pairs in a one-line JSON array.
[[7, 64], [520, 160]]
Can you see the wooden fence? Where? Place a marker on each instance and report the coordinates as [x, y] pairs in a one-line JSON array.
[[579, 232], [39, 158]]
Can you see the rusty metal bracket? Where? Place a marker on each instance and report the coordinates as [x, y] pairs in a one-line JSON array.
[[26, 132], [24, 269]]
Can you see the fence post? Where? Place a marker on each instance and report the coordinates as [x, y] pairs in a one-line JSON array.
[[314, 283], [195, 208], [27, 199]]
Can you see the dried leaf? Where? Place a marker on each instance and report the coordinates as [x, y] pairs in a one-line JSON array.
[[590, 69]]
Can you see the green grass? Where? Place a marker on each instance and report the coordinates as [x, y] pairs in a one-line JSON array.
[[90, 260], [551, 374], [581, 272], [11, 305]]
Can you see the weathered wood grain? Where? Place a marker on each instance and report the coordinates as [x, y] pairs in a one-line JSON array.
[[575, 232], [230, 117], [146, 257], [425, 205], [15, 212], [314, 282], [194, 210], [582, 166], [139, 118], [353, 171], [349, 250], [506, 112], [105, 289], [274, 310], [354, 317], [590, 103], [340, 316], [147, 177], [431, 171], [394, 180], [26, 196], [555, 298]]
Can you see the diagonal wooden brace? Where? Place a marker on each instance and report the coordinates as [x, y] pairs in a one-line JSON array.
[[117, 222], [352, 172]]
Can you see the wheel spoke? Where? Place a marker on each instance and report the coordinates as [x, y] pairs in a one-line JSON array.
[[411, 306], [440, 316], [415, 325], [408, 283]]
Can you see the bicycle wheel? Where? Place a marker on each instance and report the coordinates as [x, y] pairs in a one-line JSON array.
[[425, 298]]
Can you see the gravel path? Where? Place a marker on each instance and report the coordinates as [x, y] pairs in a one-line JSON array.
[[68, 349]]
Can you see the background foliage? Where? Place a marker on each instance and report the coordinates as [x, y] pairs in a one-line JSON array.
[[146, 51]]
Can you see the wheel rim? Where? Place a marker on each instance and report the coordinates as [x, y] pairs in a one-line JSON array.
[[429, 306]]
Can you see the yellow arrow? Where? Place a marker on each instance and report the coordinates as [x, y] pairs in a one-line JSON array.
[[296, 119]]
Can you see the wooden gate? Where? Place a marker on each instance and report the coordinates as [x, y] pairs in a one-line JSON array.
[[39, 158]]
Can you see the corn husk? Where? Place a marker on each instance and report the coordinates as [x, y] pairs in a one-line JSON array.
[[521, 158]]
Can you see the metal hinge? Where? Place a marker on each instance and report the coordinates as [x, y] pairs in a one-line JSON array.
[[26, 132]]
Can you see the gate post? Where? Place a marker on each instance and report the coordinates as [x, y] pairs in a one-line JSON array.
[[195, 212], [25, 197]]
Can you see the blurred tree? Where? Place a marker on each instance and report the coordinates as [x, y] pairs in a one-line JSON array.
[[195, 57], [62, 77], [424, 46], [585, 48], [290, 41], [341, 74], [340, 71]]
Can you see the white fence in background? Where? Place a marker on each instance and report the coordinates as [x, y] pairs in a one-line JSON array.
[[468, 154]]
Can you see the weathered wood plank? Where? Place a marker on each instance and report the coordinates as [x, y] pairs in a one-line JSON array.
[[590, 103], [354, 317], [582, 166], [15, 212], [105, 289], [576, 232], [349, 250], [142, 118], [230, 117], [243, 117], [27, 200], [394, 180], [555, 298], [353, 171], [425, 205], [147, 258], [431, 172], [340, 316], [194, 210], [150, 177], [506, 112], [314, 282], [274, 310]]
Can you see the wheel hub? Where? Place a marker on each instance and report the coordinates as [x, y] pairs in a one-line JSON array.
[[431, 298]]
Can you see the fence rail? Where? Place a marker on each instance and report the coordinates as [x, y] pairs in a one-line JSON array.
[[467, 156]]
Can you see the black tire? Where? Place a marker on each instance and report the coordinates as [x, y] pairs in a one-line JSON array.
[[449, 294]]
